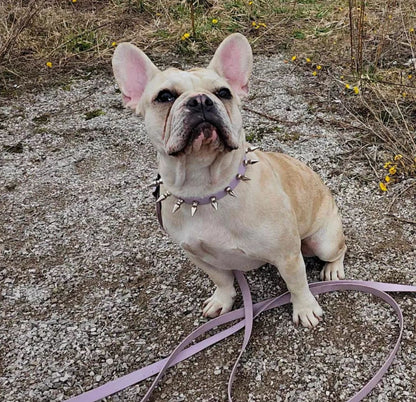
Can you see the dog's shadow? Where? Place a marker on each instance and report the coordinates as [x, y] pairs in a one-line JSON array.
[[266, 281]]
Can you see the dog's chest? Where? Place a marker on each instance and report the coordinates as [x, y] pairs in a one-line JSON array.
[[219, 254], [214, 243]]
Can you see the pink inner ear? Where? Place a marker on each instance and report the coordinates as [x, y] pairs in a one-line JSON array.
[[233, 69], [135, 78]]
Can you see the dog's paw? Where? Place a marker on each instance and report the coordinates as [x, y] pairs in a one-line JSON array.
[[308, 312], [332, 271], [220, 302]]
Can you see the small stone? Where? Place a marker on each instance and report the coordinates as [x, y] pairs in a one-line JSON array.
[[10, 186], [65, 377]]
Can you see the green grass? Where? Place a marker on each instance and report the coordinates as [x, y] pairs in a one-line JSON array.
[[93, 114]]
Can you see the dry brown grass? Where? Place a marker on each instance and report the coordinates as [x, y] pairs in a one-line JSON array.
[[371, 44], [69, 34]]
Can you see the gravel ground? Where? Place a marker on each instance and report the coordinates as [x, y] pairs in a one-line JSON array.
[[92, 289]]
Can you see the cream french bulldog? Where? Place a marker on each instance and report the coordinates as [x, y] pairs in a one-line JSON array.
[[227, 204]]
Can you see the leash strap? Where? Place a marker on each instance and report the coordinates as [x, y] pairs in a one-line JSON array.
[[246, 316], [156, 194]]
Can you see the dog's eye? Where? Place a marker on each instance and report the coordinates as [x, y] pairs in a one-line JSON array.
[[165, 96], [224, 93]]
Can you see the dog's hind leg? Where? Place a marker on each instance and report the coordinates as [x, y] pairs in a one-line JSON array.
[[333, 270], [328, 244]]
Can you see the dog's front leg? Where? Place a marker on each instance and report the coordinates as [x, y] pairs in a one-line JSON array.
[[222, 300], [305, 307]]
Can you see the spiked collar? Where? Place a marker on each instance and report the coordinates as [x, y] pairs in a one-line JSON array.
[[210, 199]]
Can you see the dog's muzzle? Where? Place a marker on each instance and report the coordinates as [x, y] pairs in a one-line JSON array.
[[205, 124]]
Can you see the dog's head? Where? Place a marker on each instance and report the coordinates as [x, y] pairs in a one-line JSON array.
[[188, 112]]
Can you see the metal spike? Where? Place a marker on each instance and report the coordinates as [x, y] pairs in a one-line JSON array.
[[155, 183], [230, 192], [251, 149], [164, 196], [177, 205], [250, 161], [242, 177], [161, 198], [214, 202], [194, 207]]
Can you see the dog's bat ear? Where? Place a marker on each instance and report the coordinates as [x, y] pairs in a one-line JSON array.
[[233, 60], [132, 70]]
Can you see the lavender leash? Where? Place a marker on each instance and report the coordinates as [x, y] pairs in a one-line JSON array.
[[247, 315]]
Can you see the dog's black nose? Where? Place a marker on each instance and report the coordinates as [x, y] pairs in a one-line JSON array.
[[200, 103]]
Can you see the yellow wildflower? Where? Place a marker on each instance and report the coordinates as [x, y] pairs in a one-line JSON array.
[[308, 60], [318, 67], [410, 76], [293, 58], [387, 179], [398, 157], [250, 3], [315, 73], [74, 1], [348, 86], [254, 23], [387, 164], [214, 21], [186, 35], [382, 186], [342, 77], [114, 44], [411, 30], [49, 64], [262, 24], [393, 170], [404, 94], [356, 90]]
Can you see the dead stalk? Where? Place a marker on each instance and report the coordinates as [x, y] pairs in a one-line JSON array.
[[18, 27], [409, 40], [384, 29], [357, 32]]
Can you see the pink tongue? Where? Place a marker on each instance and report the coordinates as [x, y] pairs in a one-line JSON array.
[[209, 137], [205, 137], [214, 135]]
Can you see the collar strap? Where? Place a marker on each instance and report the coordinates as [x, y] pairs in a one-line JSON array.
[[210, 199], [222, 193]]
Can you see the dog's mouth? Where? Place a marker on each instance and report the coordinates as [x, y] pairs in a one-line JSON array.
[[205, 135]]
